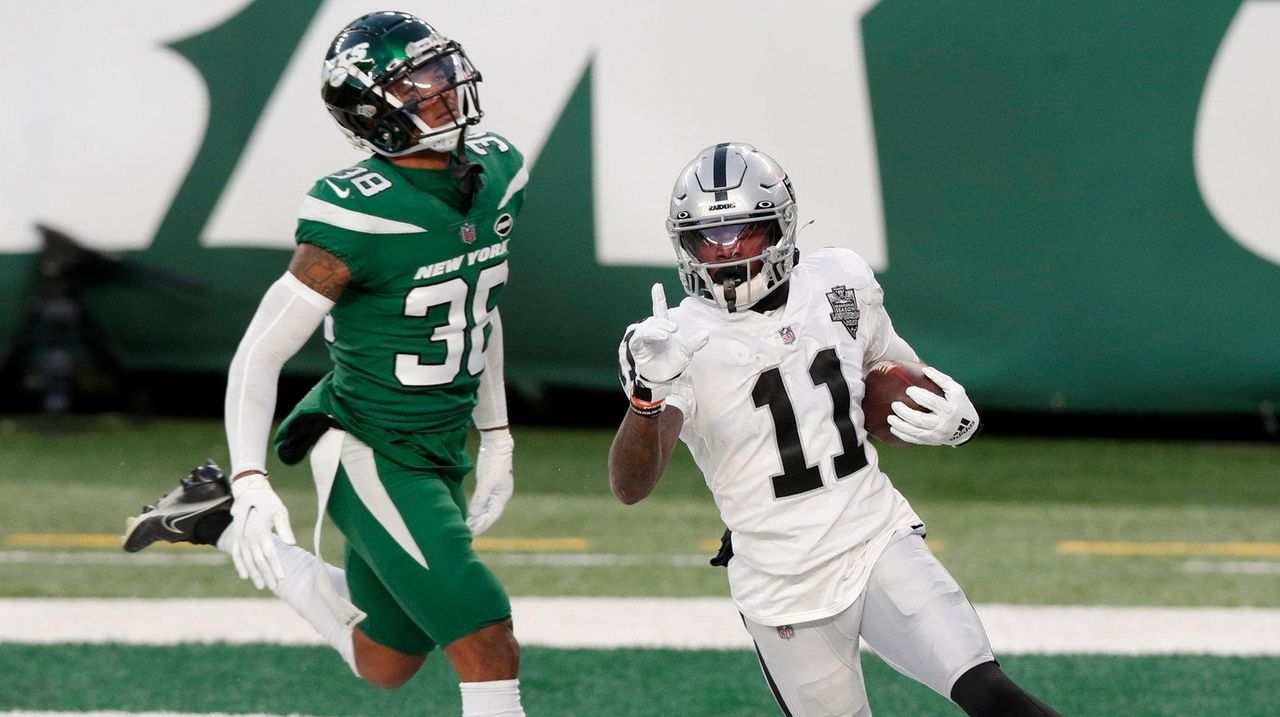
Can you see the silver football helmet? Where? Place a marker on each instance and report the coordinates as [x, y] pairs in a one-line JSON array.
[[733, 225]]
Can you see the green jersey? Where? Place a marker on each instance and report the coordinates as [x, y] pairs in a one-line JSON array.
[[408, 335]]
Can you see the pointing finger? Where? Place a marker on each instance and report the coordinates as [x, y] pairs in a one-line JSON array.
[[659, 301]]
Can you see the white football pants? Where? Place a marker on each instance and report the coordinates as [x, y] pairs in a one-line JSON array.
[[912, 613]]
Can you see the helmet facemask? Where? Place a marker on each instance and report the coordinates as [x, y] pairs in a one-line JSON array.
[[734, 265]]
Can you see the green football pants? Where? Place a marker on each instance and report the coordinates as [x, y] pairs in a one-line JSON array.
[[409, 559]]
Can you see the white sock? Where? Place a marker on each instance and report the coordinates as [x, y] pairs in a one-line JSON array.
[[298, 590], [498, 698]]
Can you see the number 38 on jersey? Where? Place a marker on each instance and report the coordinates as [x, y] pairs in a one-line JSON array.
[[460, 313]]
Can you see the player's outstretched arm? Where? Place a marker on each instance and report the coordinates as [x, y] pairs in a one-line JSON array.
[[641, 451], [289, 313]]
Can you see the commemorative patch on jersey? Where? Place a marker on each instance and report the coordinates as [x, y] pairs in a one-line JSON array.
[[844, 308], [468, 232]]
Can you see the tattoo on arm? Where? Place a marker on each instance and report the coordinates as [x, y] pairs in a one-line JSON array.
[[320, 270]]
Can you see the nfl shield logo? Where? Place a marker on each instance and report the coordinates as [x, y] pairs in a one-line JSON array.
[[786, 632], [787, 335], [468, 232]]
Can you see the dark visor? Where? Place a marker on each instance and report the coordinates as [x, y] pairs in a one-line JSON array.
[[704, 243]]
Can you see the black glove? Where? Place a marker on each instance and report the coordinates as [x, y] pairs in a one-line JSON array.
[[721, 560]]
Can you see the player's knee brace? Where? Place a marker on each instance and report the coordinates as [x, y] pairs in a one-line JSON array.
[[986, 691]]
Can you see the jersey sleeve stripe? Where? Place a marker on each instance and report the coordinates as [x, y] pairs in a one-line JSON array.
[[318, 210], [631, 360], [517, 183]]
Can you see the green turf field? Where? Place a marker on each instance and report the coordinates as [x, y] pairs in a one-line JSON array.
[[996, 509], [999, 511], [589, 683]]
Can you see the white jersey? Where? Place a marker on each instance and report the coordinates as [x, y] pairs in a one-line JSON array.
[[773, 418]]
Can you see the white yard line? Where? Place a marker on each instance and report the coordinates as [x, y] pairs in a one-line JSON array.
[[538, 559], [593, 560], [682, 623], [504, 558], [1233, 567], [86, 557], [21, 713]]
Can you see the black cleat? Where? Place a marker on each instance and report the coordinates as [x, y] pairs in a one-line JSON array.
[[197, 511]]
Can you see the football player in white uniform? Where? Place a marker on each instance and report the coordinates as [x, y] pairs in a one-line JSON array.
[[760, 372]]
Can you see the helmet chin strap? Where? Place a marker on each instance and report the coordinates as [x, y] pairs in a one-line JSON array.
[[731, 294], [757, 289], [466, 172]]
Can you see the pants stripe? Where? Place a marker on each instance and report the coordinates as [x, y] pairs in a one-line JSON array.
[[772, 686], [362, 470]]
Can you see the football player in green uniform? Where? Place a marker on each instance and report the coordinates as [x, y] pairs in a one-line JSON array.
[[402, 258]]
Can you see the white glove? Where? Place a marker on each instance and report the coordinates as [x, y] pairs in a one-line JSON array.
[[495, 481], [656, 354], [255, 511], [948, 420]]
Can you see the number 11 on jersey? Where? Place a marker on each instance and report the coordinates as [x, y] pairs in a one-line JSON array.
[[797, 475]]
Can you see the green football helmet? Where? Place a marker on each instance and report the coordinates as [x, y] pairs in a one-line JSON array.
[[396, 86]]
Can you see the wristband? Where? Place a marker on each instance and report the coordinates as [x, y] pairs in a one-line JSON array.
[[648, 409]]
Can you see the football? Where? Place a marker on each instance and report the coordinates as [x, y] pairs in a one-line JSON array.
[[886, 382]]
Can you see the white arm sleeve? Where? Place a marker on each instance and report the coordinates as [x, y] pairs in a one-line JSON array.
[[897, 349], [491, 400], [288, 315], [886, 344]]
